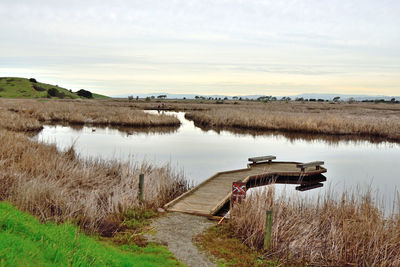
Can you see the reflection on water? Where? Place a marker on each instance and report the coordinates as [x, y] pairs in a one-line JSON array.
[[120, 129], [295, 136], [201, 153]]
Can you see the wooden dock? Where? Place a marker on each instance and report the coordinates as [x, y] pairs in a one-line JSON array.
[[210, 196]]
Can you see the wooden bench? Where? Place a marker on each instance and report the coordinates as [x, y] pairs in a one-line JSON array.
[[256, 160], [303, 166]]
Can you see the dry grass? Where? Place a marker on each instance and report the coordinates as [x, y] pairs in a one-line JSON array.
[[351, 230], [380, 121], [86, 112], [332, 123], [59, 186], [15, 122]]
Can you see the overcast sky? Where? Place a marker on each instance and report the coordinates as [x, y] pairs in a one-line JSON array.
[[205, 47]]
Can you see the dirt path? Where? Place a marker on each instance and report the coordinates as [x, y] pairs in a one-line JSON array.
[[176, 230]]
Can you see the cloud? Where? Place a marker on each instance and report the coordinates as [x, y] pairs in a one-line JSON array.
[[145, 45]]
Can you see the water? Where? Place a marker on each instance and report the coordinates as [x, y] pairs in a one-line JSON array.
[[200, 153]]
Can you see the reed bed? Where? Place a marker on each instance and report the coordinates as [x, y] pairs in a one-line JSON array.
[[328, 231], [87, 112], [60, 186], [15, 122], [333, 123]]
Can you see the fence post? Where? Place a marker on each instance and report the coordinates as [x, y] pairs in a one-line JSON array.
[[268, 229], [141, 188]]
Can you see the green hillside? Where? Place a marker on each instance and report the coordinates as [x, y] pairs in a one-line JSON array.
[[11, 87], [26, 242]]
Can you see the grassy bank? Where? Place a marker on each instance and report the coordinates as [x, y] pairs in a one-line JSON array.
[[338, 231], [14, 121], [331, 123], [379, 121], [26, 242], [78, 112], [60, 186]]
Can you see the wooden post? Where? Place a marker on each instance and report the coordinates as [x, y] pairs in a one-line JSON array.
[[268, 229], [141, 188]]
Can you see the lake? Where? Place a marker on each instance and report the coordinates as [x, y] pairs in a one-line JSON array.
[[201, 153]]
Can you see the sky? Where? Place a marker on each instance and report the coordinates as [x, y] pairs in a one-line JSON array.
[[236, 47]]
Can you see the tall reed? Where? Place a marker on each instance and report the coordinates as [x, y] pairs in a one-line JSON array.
[[350, 230], [60, 186], [387, 127], [86, 112], [13, 121]]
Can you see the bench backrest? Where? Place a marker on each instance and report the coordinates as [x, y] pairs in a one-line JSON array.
[[260, 159], [317, 164]]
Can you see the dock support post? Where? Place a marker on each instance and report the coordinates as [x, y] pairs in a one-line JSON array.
[[268, 229], [141, 188]]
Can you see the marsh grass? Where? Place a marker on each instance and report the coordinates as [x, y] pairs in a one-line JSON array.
[[332, 123], [346, 230], [13, 121], [85, 112], [60, 186]]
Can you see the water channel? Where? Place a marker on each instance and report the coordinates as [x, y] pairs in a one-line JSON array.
[[351, 164]]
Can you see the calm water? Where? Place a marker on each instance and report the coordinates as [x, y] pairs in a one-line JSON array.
[[201, 153]]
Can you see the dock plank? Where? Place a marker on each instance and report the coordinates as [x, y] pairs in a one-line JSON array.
[[210, 195]]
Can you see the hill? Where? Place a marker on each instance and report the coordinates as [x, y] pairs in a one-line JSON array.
[[11, 87]]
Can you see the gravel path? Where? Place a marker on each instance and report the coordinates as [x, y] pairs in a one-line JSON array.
[[176, 230]]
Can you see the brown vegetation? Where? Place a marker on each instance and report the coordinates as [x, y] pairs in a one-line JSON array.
[[376, 121], [351, 230], [13, 121], [322, 122], [86, 112], [59, 186]]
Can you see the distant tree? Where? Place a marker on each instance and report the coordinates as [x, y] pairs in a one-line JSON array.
[[184, 98], [264, 98], [393, 100], [32, 80], [312, 100], [161, 96], [84, 93], [137, 97], [273, 98], [152, 97], [235, 98], [225, 98], [53, 92], [38, 88], [336, 99], [299, 99], [148, 98], [196, 97], [130, 98], [351, 100]]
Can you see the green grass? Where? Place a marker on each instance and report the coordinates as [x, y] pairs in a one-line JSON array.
[[26, 242], [97, 96], [11, 87]]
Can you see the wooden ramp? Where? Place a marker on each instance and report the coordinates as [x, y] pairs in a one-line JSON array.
[[211, 195]]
